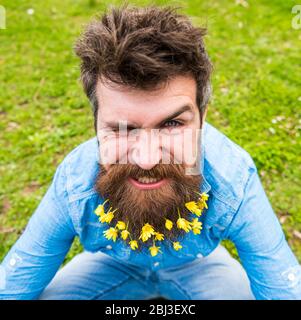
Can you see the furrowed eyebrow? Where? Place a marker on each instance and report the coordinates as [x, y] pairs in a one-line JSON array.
[[115, 125], [132, 125], [182, 109]]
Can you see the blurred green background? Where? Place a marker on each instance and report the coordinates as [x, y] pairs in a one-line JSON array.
[[44, 114]]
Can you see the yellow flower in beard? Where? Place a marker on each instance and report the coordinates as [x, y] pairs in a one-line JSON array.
[[195, 223], [111, 233], [154, 250], [202, 201], [146, 232], [196, 226], [107, 217], [124, 234], [204, 196], [183, 224], [133, 244], [168, 224], [196, 231], [120, 225], [177, 246], [100, 210], [159, 236], [193, 207]]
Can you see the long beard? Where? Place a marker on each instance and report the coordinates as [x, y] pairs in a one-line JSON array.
[[137, 207]]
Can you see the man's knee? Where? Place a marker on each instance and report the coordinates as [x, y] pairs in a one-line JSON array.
[[226, 278], [216, 276], [86, 276]]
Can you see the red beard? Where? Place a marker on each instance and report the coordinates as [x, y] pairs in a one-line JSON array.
[[154, 206]]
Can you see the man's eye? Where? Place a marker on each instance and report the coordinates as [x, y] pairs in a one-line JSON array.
[[172, 123], [124, 130]]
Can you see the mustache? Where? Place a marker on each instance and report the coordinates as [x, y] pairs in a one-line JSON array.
[[160, 171]]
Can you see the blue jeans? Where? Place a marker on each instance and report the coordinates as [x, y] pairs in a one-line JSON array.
[[90, 276]]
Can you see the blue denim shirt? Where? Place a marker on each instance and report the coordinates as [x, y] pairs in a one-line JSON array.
[[238, 210]]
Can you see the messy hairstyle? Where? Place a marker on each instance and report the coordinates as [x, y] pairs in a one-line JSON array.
[[143, 48]]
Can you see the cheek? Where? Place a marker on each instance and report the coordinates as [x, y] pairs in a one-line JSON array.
[[182, 147], [191, 147], [178, 148]]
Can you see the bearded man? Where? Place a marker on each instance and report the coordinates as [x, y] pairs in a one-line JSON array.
[[154, 193]]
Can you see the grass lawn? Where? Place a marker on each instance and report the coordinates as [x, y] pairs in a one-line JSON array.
[[44, 113]]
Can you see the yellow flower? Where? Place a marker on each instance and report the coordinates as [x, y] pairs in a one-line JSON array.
[[159, 236], [183, 224], [147, 232], [176, 245], [202, 201], [124, 234], [196, 231], [202, 204], [195, 223], [100, 210], [111, 233], [204, 196], [196, 226], [120, 225], [154, 250], [133, 244], [148, 228], [107, 217], [168, 224], [193, 207]]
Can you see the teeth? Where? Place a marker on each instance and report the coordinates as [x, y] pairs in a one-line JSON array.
[[147, 180]]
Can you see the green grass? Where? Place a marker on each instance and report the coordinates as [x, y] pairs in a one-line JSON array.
[[44, 114]]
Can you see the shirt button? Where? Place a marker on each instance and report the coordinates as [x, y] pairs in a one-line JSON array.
[[12, 262], [156, 264], [291, 277], [199, 255], [109, 247]]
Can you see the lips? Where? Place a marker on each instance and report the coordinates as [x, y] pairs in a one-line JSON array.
[[146, 183]]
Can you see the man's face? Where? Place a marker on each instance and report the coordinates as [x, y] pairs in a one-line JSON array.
[[148, 142]]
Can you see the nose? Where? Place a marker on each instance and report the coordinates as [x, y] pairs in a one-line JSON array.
[[146, 151]]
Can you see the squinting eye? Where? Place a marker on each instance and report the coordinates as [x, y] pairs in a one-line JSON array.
[[172, 123]]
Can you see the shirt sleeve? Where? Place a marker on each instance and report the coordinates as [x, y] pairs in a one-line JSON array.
[[36, 256], [272, 268]]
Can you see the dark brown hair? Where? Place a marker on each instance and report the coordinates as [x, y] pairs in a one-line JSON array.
[[143, 48]]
